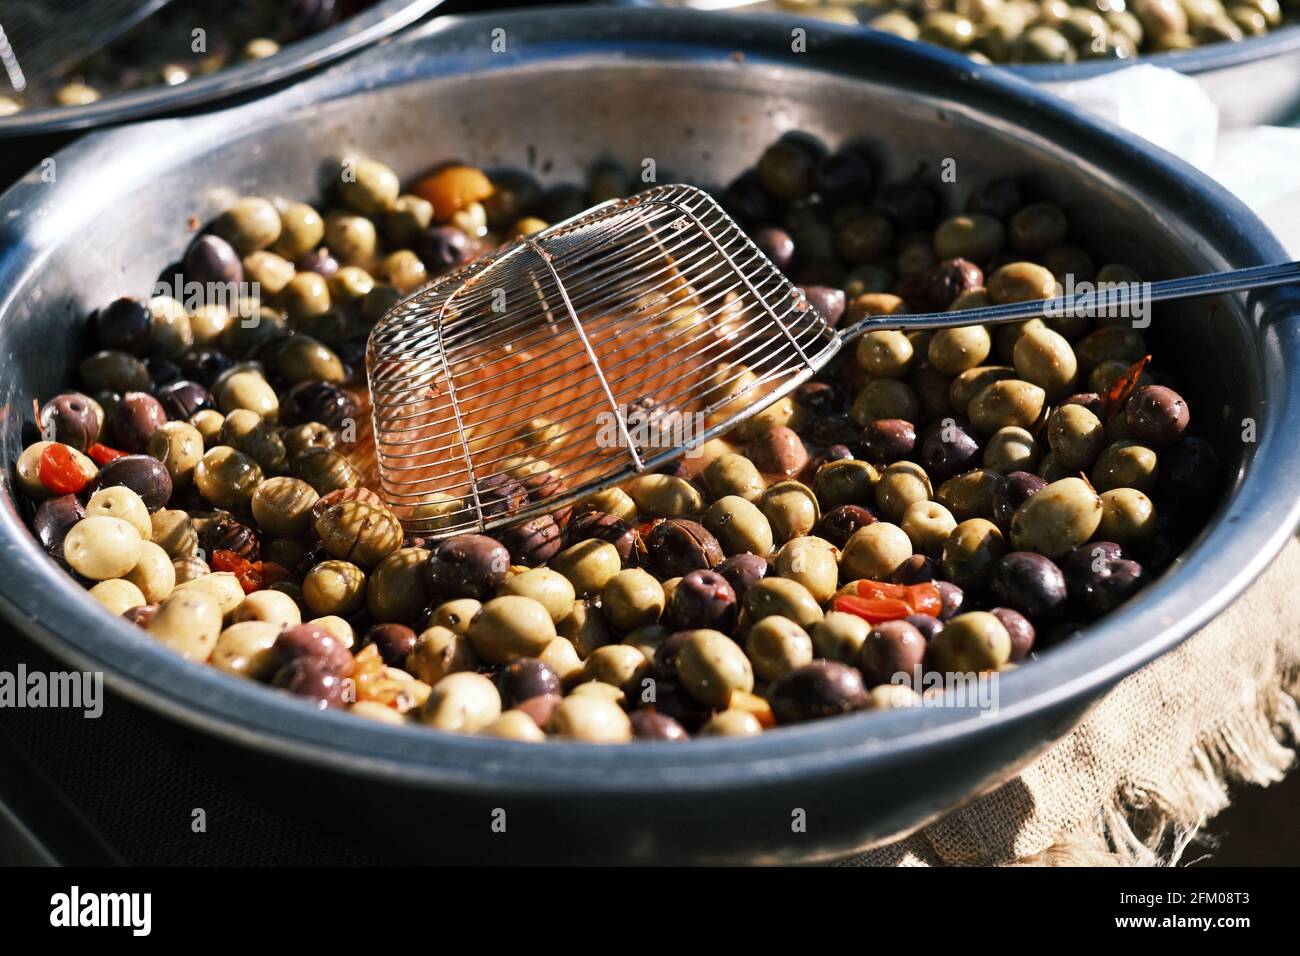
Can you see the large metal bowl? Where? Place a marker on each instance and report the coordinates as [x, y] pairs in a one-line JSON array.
[[381, 19], [1253, 82], [574, 85]]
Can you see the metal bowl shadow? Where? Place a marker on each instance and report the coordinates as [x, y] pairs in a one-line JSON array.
[[702, 96], [378, 21]]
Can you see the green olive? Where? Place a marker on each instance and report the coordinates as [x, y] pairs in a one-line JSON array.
[[369, 187], [782, 597], [791, 509], [301, 231], [733, 474], [173, 531], [188, 622], [1020, 282], [776, 645], [1057, 519], [874, 551], [973, 236], [1076, 436], [438, 652], [839, 636], [1045, 358], [632, 599], [739, 526], [462, 703], [971, 642], [953, 351], [282, 506], [590, 719], [585, 627], [250, 433], [614, 501], [351, 238], [247, 389], [359, 531], [845, 482], [927, 525], [884, 353], [812, 562], [1125, 464], [971, 551], [664, 496], [970, 495], [731, 723], [1127, 517], [619, 665], [324, 470], [246, 650], [1011, 449], [227, 478], [510, 627], [969, 383], [588, 565], [455, 615], [334, 587], [397, 590], [1010, 402], [252, 223], [711, 666], [885, 398], [901, 485]]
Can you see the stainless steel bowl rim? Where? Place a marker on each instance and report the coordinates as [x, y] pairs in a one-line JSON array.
[[1252, 528], [384, 18], [1201, 59]]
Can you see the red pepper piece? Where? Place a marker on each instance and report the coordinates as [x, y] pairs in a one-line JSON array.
[[873, 610], [925, 598], [877, 590], [1122, 388], [102, 454], [247, 573], [59, 471]]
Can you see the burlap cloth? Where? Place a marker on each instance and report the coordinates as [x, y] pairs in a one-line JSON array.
[[1152, 761]]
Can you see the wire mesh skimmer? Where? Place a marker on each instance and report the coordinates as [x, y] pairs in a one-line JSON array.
[[608, 345]]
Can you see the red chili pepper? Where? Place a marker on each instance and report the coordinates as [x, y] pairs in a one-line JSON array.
[[877, 590], [247, 573], [102, 454], [873, 610], [59, 471], [925, 598], [1122, 388]]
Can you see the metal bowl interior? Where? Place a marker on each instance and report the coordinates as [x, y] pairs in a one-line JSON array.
[[573, 87], [380, 20]]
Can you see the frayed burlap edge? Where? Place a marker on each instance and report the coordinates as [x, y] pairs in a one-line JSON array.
[[1239, 679], [1148, 826]]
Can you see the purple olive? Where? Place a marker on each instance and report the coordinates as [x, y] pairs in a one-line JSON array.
[[999, 198], [533, 542], [525, 679], [677, 547], [951, 599], [742, 570], [182, 400], [1010, 494], [602, 527], [948, 449], [315, 680], [162, 372], [135, 418], [1031, 584], [829, 302], [776, 244], [1020, 630], [444, 247], [501, 495], [315, 401], [887, 440], [309, 640], [540, 707], [915, 570], [54, 518], [318, 261], [748, 201], [205, 366], [467, 566], [842, 177], [892, 648], [820, 689], [927, 625], [70, 419], [833, 430], [702, 599], [1089, 400], [652, 725], [838, 524], [1157, 416], [393, 641], [819, 398], [909, 204], [144, 475], [210, 260], [124, 325]]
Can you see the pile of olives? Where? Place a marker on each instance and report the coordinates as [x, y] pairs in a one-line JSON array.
[[1054, 31], [932, 503]]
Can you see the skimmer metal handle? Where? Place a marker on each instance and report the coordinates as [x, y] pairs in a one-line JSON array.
[[1104, 299]]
